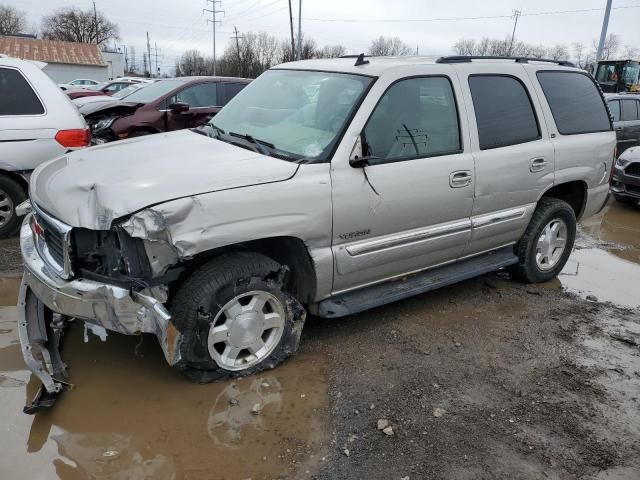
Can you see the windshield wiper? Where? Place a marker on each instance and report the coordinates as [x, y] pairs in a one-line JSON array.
[[261, 144]]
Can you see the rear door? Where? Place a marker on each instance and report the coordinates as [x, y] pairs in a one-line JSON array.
[[514, 159], [631, 125], [618, 124]]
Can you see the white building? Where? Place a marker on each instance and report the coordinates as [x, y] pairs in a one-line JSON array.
[[65, 61]]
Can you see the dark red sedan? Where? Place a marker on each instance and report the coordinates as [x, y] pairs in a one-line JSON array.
[[106, 88], [166, 105]]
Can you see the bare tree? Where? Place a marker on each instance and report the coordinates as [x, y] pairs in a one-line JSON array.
[[558, 52], [74, 25], [630, 52], [190, 63], [12, 21], [133, 66], [331, 51], [388, 46], [610, 47]]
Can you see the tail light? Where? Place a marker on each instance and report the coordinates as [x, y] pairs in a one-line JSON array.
[[76, 138]]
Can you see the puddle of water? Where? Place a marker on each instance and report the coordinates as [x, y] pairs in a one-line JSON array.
[[591, 271], [132, 416], [606, 262]]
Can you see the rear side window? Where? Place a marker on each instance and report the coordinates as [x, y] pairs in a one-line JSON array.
[[629, 110], [17, 97], [614, 107], [504, 112], [229, 90], [575, 102]]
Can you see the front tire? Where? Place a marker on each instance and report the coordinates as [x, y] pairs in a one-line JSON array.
[[235, 319], [547, 242]]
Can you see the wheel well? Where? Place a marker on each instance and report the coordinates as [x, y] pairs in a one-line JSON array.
[[574, 193], [18, 178], [289, 251]]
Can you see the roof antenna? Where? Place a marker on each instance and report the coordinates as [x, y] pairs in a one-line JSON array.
[[360, 60]]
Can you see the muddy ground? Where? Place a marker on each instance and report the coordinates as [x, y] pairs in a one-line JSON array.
[[486, 379]]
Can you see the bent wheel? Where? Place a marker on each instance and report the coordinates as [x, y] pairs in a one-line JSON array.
[[235, 318]]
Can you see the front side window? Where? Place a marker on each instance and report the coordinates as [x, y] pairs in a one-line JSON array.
[[230, 90], [415, 118], [614, 108], [197, 96], [18, 98], [301, 113], [504, 112], [629, 110], [576, 104]]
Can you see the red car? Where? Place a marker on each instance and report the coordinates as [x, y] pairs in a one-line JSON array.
[[106, 88], [163, 106]]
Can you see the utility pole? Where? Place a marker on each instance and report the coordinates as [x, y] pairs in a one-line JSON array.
[[157, 70], [235, 31], [213, 20], [417, 51], [516, 16], [300, 29], [144, 63], [603, 32], [149, 53], [95, 22], [293, 42]]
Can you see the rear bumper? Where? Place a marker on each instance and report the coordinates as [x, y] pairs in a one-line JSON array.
[[114, 308]]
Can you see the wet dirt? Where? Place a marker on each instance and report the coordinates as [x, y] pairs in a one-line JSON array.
[[487, 379], [130, 416]]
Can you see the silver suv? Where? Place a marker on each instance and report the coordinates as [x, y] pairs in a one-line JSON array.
[[326, 186]]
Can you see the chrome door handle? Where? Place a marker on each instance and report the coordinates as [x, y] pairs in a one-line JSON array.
[[460, 178], [537, 165]]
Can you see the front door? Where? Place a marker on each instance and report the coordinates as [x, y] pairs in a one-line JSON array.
[[409, 209], [203, 105]]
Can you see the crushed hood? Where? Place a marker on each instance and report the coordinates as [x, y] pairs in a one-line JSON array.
[[114, 107], [92, 187]]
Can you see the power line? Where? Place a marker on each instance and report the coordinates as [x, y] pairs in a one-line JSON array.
[[451, 19]]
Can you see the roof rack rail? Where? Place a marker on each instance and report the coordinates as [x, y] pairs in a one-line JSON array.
[[469, 58]]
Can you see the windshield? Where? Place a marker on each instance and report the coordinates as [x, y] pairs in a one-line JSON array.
[[608, 73], [301, 113], [97, 86], [153, 91], [128, 90], [630, 73]]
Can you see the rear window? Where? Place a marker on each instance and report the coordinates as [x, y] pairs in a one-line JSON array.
[[629, 110], [504, 113], [17, 98], [575, 102]]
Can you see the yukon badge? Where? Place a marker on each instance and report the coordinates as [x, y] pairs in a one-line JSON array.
[[356, 234]]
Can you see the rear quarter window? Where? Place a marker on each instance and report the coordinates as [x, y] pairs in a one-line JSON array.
[[16, 95], [575, 101]]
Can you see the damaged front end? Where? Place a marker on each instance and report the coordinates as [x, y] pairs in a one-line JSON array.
[[102, 277]]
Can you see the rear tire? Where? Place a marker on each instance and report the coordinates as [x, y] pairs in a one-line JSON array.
[[11, 195], [235, 319], [547, 242]]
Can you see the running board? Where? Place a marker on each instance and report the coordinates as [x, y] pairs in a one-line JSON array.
[[391, 291]]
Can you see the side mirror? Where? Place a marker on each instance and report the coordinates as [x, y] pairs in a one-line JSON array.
[[179, 107], [357, 159]]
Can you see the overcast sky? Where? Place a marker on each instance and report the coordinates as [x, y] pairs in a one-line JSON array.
[[432, 26]]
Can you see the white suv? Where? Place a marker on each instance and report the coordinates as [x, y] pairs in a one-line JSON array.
[[37, 123]]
